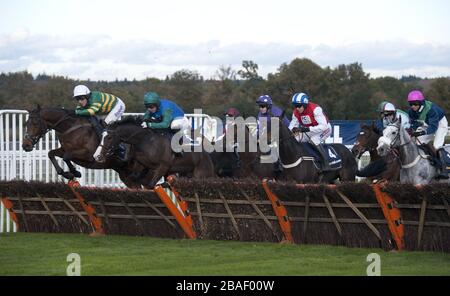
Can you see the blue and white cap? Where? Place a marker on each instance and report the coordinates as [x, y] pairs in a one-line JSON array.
[[300, 98]]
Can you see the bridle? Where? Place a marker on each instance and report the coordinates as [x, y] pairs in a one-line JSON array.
[[366, 147], [397, 138], [43, 127], [393, 147]]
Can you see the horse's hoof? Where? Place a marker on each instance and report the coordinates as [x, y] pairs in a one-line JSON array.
[[68, 175], [77, 174]]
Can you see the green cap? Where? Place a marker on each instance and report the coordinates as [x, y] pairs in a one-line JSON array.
[[152, 98]]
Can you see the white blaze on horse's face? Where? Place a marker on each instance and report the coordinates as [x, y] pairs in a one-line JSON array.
[[383, 146], [390, 136]]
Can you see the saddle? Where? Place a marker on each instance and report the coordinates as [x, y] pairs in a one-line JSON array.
[[438, 158], [429, 150]]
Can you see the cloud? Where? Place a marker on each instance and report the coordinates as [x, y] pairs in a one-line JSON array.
[[101, 57]]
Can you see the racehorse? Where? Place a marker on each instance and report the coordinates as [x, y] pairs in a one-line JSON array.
[[78, 141], [385, 168], [416, 166], [236, 158], [300, 166], [153, 151]]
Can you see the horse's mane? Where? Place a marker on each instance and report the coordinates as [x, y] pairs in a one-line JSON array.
[[134, 120], [372, 127], [69, 112]]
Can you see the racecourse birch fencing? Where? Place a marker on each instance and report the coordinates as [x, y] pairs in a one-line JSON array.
[[353, 215]]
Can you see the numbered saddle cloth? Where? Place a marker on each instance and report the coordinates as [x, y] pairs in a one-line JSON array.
[[447, 161], [332, 157]]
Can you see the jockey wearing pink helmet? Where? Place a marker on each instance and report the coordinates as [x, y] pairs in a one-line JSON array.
[[416, 96], [429, 123]]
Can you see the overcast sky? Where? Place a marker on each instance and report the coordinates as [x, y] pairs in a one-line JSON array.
[[112, 39]]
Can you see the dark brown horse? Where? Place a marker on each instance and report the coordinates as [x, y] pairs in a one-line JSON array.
[[235, 158], [300, 165], [153, 151], [78, 141], [386, 168]]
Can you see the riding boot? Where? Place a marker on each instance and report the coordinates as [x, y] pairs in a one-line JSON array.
[[99, 129], [442, 166], [324, 156]]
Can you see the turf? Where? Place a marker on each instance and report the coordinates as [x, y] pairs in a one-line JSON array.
[[46, 254]]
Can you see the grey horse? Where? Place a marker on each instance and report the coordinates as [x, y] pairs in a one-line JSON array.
[[416, 167]]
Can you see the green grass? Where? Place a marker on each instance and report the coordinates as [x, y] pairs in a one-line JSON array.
[[45, 254]]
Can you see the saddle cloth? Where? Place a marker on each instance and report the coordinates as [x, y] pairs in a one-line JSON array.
[[447, 161], [333, 158]]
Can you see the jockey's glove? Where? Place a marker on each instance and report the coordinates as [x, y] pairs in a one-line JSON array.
[[418, 133], [144, 124], [304, 129]]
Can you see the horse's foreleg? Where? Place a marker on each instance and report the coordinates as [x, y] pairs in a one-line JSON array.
[[161, 171], [67, 159], [59, 153]]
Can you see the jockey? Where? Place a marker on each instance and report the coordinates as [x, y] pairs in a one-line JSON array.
[[389, 114], [98, 103], [267, 110], [232, 112], [229, 113], [308, 118], [164, 114], [428, 120]]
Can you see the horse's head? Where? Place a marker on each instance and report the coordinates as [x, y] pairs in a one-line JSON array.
[[36, 127], [367, 140], [390, 138]]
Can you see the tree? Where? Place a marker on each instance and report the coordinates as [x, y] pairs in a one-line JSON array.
[[439, 93], [301, 75], [250, 71], [185, 87], [348, 93]]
